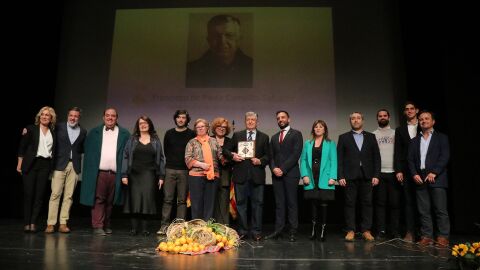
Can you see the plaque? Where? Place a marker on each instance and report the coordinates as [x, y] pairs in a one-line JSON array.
[[246, 149]]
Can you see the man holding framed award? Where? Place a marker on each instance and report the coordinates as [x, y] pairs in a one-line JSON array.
[[249, 149]]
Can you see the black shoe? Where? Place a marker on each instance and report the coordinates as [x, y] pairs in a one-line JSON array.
[[313, 236], [146, 233], [275, 235], [108, 230], [381, 236], [133, 232], [292, 237], [322, 236], [396, 235]]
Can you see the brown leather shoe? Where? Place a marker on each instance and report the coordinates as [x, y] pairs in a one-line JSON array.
[[63, 228], [367, 235], [425, 241], [350, 237], [442, 242], [50, 229], [408, 237]]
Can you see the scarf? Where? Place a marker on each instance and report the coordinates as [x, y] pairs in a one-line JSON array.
[[207, 156]]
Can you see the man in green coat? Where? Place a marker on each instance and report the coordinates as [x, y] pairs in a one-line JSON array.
[[101, 184]]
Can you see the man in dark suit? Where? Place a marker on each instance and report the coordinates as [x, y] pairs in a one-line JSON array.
[[403, 136], [249, 175], [67, 167], [359, 166], [428, 157], [285, 148]]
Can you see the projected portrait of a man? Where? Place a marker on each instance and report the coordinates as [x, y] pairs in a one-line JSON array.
[[224, 64]]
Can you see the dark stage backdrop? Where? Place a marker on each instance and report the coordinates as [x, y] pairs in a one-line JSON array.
[[132, 55]]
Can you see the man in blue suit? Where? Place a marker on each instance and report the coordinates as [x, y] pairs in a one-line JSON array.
[[428, 156]]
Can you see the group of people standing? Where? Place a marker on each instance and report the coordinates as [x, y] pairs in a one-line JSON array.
[[403, 167]]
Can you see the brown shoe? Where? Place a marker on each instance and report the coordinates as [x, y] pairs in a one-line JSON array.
[[442, 242], [50, 229], [368, 236], [408, 237], [425, 241], [63, 228], [350, 237]]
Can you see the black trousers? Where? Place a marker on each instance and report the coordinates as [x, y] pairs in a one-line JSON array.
[[360, 189], [202, 196], [34, 184], [285, 190], [387, 192]]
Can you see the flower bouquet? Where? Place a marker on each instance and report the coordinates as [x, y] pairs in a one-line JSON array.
[[467, 255]]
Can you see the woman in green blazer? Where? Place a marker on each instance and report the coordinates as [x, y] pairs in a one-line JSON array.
[[318, 168]]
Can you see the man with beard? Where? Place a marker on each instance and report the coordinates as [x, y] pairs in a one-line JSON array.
[[358, 170], [388, 187], [174, 144], [285, 148], [68, 163]]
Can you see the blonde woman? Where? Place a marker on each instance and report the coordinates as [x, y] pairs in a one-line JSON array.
[[35, 155]]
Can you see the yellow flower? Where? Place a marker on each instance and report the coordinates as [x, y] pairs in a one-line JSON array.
[[476, 245], [462, 249], [454, 253]]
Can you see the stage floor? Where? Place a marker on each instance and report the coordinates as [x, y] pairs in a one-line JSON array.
[[82, 250]]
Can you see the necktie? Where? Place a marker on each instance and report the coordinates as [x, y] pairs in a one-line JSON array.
[[107, 129], [281, 135], [250, 133]]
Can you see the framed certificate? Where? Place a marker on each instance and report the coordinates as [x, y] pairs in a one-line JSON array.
[[246, 149]]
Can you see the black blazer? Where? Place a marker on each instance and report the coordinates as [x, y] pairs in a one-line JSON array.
[[29, 146], [64, 147], [400, 153], [286, 155], [349, 157], [242, 169], [436, 161]]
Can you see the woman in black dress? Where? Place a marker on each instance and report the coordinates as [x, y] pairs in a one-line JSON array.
[[318, 168], [143, 168]]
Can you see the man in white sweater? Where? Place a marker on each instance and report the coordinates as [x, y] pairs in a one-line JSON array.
[[388, 189]]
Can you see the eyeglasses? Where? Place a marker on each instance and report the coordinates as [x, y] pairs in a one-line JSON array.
[[199, 127]]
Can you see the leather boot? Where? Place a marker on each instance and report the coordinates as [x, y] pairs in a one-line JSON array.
[[314, 231], [322, 233]]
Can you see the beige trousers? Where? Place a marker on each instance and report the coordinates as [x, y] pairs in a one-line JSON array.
[[63, 182]]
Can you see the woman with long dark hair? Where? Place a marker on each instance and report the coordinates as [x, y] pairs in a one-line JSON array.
[[318, 168], [143, 168]]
